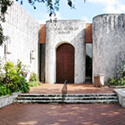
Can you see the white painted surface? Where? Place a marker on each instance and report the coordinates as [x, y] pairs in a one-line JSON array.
[[121, 96], [65, 31], [9, 99], [108, 44], [23, 31]]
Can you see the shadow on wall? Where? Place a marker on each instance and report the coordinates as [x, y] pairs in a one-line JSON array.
[[88, 69]]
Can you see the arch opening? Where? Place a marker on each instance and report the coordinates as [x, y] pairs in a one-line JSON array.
[[65, 63]]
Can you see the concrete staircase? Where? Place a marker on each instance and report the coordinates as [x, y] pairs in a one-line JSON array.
[[68, 98]]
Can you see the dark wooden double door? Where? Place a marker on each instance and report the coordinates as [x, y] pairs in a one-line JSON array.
[[65, 63]]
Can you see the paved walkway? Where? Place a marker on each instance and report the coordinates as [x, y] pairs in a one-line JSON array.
[[72, 88], [82, 114]]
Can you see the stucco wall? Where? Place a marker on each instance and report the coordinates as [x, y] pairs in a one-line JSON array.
[[108, 44], [65, 31], [23, 31]]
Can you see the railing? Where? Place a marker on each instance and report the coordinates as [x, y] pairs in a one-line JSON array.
[[64, 91]]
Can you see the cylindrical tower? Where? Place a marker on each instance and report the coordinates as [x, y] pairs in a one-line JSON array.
[[108, 44]]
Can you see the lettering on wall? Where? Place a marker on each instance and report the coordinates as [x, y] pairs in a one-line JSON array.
[[65, 30]]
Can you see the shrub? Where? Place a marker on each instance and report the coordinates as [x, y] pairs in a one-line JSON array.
[[33, 77], [4, 90], [13, 80], [33, 80], [34, 84], [21, 69], [23, 85], [112, 81], [117, 82]]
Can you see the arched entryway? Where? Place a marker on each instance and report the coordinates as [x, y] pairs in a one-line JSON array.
[[65, 63]]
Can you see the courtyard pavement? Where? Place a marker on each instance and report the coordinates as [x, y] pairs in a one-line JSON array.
[[81, 114], [58, 114], [72, 88]]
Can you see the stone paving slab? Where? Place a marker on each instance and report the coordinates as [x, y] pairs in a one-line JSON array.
[[72, 88], [82, 114]]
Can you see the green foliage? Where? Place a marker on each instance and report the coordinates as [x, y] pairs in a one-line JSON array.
[[18, 66], [3, 90], [33, 77], [23, 85], [4, 4], [112, 81], [33, 80], [21, 69], [34, 84], [12, 79], [117, 82]]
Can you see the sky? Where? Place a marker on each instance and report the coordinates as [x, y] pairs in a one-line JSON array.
[[83, 11]]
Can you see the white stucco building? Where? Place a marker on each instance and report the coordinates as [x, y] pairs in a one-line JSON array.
[[64, 49]]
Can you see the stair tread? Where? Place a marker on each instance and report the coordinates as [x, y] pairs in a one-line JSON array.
[[68, 95], [91, 97], [73, 94], [114, 100], [68, 98]]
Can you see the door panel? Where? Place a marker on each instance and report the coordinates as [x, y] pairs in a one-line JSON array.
[[65, 63]]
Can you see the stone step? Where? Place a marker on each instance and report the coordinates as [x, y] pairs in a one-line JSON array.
[[67, 95], [68, 101], [68, 98]]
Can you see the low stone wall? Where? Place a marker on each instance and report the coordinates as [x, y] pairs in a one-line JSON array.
[[7, 100], [121, 96]]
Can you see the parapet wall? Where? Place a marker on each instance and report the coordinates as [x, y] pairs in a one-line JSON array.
[[108, 44], [23, 31]]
